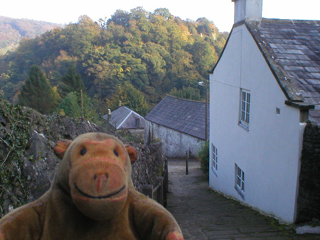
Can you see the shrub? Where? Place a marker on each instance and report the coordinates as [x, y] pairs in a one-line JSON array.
[[204, 157]]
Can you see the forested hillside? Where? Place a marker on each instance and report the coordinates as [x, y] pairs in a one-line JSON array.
[[13, 30], [134, 57]]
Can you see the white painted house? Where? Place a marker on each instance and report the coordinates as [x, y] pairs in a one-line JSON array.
[[261, 91]]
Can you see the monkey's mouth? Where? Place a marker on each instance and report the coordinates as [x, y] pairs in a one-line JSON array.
[[98, 197]]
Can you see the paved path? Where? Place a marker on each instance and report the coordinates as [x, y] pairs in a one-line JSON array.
[[204, 215]]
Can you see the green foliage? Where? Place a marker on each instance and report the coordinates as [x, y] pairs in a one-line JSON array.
[[130, 97], [77, 105], [155, 52], [70, 105], [203, 155], [71, 82], [37, 92], [14, 140], [186, 93]]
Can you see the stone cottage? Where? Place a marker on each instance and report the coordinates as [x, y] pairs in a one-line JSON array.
[[179, 124]]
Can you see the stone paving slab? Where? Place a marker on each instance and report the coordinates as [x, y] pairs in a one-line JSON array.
[[204, 214]]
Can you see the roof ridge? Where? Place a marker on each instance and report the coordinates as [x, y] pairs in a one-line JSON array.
[[184, 99], [182, 115]]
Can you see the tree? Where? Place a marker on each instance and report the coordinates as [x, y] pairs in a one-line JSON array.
[[77, 106], [139, 13], [164, 12], [206, 27], [155, 52], [203, 55], [186, 93], [70, 105], [121, 17], [203, 155], [130, 97], [37, 92], [71, 82], [80, 36]]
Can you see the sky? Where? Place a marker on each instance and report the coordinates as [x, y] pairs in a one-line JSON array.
[[220, 12]]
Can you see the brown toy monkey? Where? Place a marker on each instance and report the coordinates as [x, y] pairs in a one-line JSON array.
[[92, 198]]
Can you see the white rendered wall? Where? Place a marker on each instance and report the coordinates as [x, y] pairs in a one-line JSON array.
[[175, 144], [269, 152]]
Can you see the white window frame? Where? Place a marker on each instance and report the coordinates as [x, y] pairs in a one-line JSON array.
[[245, 105], [239, 180], [214, 159]]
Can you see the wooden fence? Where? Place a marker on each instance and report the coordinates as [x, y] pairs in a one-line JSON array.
[[159, 190]]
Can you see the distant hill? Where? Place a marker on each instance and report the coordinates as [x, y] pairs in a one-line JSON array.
[[13, 30]]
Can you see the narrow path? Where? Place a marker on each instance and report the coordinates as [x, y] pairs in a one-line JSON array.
[[204, 215]]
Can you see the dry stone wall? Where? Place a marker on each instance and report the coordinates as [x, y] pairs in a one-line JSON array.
[[148, 167]]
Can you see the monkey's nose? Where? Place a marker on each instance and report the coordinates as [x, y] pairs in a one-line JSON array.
[[100, 179]]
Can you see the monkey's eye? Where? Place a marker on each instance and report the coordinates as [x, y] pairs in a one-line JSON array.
[[83, 151], [116, 153]]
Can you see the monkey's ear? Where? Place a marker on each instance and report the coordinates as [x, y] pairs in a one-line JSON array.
[[61, 147], [133, 155]]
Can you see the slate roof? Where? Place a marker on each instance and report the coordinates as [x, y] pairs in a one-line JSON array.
[[292, 50], [125, 118], [182, 115]]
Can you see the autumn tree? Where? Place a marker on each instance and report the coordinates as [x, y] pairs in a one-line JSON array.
[[37, 92], [154, 52]]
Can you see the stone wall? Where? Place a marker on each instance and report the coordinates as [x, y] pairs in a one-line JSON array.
[[27, 160], [309, 187], [149, 166]]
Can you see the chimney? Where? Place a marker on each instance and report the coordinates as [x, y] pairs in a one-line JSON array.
[[247, 10]]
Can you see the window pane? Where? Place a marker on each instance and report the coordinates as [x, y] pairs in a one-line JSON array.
[[245, 107], [214, 157]]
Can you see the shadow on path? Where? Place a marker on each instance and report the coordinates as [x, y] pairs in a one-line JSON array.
[[205, 214]]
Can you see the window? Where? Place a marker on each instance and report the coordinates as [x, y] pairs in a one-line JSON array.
[[245, 109], [239, 186], [214, 160]]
